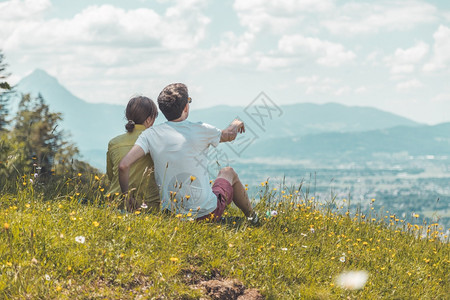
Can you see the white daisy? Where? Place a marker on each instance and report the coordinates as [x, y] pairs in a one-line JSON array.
[[80, 239]]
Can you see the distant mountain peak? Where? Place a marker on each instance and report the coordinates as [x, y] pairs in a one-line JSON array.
[[39, 72], [55, 94], [41, 76]]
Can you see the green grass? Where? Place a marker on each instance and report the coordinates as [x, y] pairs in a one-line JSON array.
[[296, 254]]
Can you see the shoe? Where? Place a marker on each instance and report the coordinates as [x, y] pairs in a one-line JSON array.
[[254, 219]]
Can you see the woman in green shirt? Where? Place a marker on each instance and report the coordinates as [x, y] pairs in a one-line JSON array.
[[141, 113]]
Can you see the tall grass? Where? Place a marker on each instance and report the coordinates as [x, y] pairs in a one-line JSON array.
[[64, 247]]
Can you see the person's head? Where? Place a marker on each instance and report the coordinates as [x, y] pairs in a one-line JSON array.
[[173, 100], [140, 110]]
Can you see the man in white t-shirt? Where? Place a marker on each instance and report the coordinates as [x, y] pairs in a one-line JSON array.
[[178, 148]]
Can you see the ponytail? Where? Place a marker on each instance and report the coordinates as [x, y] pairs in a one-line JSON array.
[[130, 126]]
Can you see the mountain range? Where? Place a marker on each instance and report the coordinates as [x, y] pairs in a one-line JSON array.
[[296, 131], [358, 146]]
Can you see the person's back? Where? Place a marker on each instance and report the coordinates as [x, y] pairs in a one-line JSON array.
[[179, 150], [141, 112], [142, 178]]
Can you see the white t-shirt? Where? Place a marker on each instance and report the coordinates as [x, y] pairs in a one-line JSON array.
[[179, 151]]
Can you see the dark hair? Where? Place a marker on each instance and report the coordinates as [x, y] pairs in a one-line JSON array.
[[138, 110], [172, 100]]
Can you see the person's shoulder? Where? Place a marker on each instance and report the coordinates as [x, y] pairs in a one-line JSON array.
[[116, 140], [202, 125], [156, 128], [160, 125]]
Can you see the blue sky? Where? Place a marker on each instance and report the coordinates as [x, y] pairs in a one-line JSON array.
[[393, 55]]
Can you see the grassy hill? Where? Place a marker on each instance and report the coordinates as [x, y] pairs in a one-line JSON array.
[[54, 247]]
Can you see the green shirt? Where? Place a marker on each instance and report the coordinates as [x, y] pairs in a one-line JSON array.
[[141, 179]]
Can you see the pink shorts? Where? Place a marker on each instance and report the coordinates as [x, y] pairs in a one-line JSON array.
[[224, 191]]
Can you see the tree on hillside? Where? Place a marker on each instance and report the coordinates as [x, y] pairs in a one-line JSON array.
[[5, 93], [36, 129], [45, 149]]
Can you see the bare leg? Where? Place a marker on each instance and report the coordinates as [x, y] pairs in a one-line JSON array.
[[240, 197]]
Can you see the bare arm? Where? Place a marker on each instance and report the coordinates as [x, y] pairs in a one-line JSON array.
[[124, 166], [230, 133], [109, 168]]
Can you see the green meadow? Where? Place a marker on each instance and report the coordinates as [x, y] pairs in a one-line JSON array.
[[66, 240]]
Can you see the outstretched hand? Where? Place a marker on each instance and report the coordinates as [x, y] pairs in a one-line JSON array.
[[230, 133], [239, 125]]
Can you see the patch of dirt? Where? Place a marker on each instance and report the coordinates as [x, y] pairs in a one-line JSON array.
[[215, 287]]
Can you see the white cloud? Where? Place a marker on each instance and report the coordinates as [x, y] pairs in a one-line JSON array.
[[441, 50], [267, 63], [121, 50], [313, 79], [232, 49], [276, 16], [23, 9], [326, 53], [106, 25], [284, 6], [318, 89], [315, 84], [120, 82], [343, 91], [17, 12], [405, 60], [373, 58], [360, 90], [409, 85], [308, 80], [363, 18], [447, 16], [441, 98], [413, 54]]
